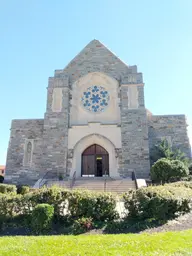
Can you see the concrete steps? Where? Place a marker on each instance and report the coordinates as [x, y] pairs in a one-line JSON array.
[[111, 185]]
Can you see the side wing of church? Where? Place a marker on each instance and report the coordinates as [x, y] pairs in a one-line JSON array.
[[95, 124]]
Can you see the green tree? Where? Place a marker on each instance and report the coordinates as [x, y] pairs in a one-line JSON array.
[[164, 150]]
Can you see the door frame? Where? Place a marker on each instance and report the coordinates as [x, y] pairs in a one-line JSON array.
[[95, 154]]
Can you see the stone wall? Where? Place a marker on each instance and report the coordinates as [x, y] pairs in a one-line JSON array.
[[171, 127], [22, 130], [95, 57], [134, 133], [55, 135]]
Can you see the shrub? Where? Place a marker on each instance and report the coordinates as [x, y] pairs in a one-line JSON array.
[[5, 189], [11, 205], [42, 217], [165, 170], [179, 170], [22, 190], [190, 169], [72, 204], [1, 179], [98, 206], [187, 178], [186, 184], [82, 225], [158, 202]]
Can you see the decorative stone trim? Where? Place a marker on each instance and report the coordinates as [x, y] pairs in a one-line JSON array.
[[118, 152], [28, 152], [70, 153]]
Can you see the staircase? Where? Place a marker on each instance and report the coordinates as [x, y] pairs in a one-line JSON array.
[[97, 184]]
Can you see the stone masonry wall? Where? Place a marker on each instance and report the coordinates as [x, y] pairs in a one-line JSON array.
[[172, 127], [134, 133], [55, 135], [95, 57], [20, 131]]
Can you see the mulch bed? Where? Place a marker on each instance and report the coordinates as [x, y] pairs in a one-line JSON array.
[[183, 222]]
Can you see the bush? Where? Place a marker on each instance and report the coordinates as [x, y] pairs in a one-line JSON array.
[[186, 184], [42, 217], [70, 204], [82, 225], [158, 202], [1, 179], [98, 206], [6, 189], [165, 170], [190, 169], [22, 190], [187, 178], [12, 205]]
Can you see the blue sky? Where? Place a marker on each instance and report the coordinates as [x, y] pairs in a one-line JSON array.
[[38, 37]]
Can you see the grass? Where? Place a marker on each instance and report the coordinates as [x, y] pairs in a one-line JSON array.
[[169, 243]]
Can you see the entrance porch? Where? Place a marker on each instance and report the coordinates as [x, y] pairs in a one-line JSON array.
[[94, 156]]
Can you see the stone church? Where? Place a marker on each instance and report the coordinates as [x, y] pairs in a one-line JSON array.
[[95, 124]]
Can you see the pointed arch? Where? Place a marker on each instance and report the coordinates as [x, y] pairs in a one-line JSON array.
[[95, 161], [88, 141]]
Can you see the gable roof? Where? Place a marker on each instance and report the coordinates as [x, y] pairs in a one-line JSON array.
[[94, 50]]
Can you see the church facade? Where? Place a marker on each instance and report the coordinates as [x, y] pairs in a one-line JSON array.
[[95, 124]]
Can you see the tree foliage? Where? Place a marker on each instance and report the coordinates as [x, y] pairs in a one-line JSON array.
[[165, 150]]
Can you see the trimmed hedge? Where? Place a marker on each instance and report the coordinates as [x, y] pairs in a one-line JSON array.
[[98, 206], [186, 184], [76, 204], [6, 189], [158, 202], [41, 218], [166, 170], [23, 190]]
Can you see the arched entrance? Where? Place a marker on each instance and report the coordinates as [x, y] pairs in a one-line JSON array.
[[95, 161]]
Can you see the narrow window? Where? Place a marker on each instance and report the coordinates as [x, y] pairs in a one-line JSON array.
[[28, 153], [29, 150]]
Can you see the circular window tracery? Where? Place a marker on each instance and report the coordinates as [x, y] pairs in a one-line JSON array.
[[95, 98]]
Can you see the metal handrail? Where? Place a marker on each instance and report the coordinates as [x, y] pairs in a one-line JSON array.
[[105, 181], [43, 178], [73, 180], [134, 177]]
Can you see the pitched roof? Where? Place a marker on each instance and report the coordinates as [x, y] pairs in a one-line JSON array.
[[94, 47]]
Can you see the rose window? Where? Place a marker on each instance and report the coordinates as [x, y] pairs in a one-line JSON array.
[[95, 98]]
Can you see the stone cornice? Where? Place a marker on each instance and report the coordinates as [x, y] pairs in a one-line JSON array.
[[127, 85]]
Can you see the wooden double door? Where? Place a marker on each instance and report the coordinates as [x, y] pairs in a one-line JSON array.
[[95, 161]]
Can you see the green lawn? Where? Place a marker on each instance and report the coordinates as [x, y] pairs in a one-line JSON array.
[[171, 243]]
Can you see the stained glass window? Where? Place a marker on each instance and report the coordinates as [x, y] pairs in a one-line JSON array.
[[95, 98]]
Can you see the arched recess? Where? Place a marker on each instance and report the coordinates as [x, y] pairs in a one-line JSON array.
[[95, 161], [80, 115], [86, 142]]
